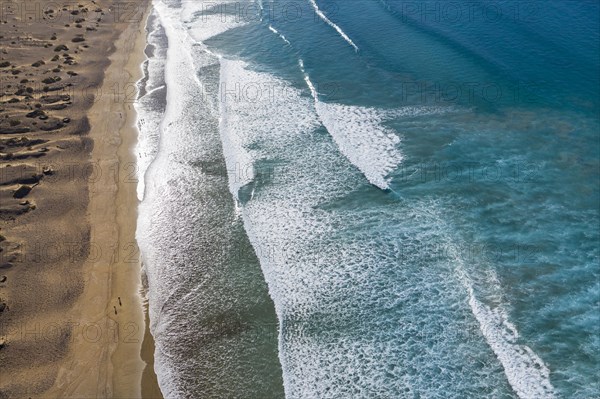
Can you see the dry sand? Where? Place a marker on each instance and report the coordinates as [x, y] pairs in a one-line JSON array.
[[72, 322]]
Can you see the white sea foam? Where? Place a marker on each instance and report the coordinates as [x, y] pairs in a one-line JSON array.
[[526, 372], [311, 86], [323, 282], [361, 135], [232, 131], [362, 138], [279, 34], [209, 19], [334, 26], [303, 286], [149, 108], [329, 274], [151, 91], [170, 180], [243, 118]]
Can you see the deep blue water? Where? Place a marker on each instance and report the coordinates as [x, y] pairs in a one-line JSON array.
[[416, 182]]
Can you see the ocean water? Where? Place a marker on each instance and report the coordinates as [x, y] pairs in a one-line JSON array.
[[372, 198]]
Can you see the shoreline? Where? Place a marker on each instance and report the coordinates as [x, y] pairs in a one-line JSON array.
[[113, 197], [114, 298], [124, 281], [73, 320]]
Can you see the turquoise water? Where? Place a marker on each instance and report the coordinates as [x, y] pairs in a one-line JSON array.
[[373, 199]]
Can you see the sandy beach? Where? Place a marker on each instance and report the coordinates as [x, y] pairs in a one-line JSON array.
[[72, 317]]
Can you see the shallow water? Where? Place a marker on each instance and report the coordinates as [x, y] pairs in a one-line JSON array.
[[372, 198]]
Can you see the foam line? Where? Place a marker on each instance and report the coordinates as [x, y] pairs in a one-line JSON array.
[[334, 26], [279, 34], [155, 89], [359, 135], [313, 90], [525, 371]]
